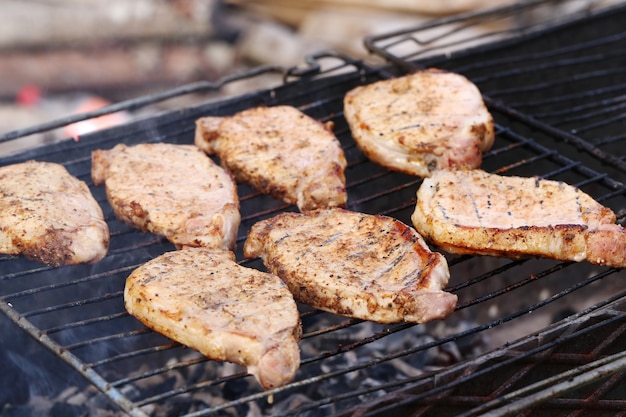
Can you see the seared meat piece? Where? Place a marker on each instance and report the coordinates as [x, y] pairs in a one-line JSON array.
[[48, 215], [354, 264], [279, 151], [203, 299], [474, 212], [171, 190], [421, 122]]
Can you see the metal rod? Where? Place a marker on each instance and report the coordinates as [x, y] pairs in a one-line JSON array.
[[552, 387], [197, 87], [436, 388], [112, 393]]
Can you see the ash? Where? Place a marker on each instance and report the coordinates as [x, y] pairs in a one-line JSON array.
[[36, 383], [321, 355]]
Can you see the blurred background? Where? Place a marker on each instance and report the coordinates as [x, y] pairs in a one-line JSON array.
[[58, 57]]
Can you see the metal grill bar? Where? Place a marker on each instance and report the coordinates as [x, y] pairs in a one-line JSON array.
[[429, 43], [581, 144], [525, 143], [471, 370], [80, 323], [114, 395], [433, 388], [198, 87], [524, 146], [566, 55], [152, 372], [314, 67]]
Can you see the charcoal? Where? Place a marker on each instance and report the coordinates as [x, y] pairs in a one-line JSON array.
[[69, 410]]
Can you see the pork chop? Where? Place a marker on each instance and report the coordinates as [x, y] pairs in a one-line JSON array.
[[171, 190], [421, 122], [475, 212], [48, 215], [203, 299], [353, 264], [279, 151]]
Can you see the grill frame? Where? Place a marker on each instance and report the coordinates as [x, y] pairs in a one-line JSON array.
[[567, 42], [521, 143]]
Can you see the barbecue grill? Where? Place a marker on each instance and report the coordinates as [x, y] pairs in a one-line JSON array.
[[529, 337]]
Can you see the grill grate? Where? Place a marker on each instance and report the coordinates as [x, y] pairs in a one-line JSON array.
[[349, 367], [566, 79], [571, 353]]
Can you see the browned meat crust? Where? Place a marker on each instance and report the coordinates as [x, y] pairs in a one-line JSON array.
[[171, 190], [279, 151], [474, 212], [203, 299], [50, 216], [354, 264], [421, 122]]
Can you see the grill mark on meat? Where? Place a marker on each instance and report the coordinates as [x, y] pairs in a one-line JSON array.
[[414, 126], [517, 217], [579, 205], [474, 205], [332, 238], [203, 299], [281, 152], [50, 216], [434, 120], [354, 264], [171, 190]]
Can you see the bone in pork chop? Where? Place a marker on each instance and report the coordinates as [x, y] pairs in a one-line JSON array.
[[279, 151], [203, 299], [474, 212], [48, 215], [421, 122], [353, 264], [171, 190]]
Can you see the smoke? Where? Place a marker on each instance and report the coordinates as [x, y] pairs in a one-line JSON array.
[[30, 375], [13, 385], [28, 370]]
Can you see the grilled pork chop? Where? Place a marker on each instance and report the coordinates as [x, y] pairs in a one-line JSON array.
[[279, 151], [203, 299], [353, 264], [48, 215], [171, 190], [421, 122], [474, 212]]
